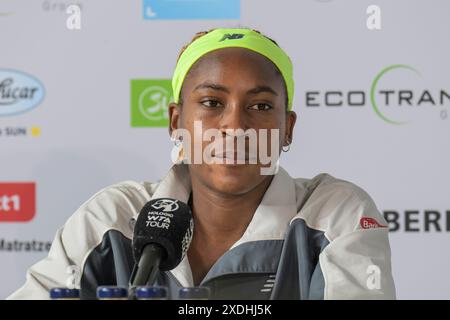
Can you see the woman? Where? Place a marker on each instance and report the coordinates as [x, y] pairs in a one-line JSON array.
[[258, 234]]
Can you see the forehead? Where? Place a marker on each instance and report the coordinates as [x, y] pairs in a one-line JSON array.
[[235, 65]]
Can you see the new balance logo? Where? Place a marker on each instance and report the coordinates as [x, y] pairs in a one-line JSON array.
[[231, 36], [268, 286]]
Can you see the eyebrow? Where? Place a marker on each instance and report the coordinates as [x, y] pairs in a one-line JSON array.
[[260, 89], [213, 86], [218, 87]]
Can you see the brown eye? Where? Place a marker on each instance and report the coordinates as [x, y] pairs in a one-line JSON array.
[[211, 103], [261, 107]]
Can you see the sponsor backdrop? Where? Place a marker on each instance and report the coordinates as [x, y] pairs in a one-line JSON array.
[[84, 93]]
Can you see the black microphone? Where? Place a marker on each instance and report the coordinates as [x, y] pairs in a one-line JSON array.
[[162, 235]]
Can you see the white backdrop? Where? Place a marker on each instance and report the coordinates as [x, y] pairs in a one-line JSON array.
[[80, 137]]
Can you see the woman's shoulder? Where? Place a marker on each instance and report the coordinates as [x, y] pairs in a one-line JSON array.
[[328, 185], [113, 207], [335, 206]]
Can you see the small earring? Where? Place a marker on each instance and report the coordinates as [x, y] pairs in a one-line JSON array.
[[288, 147], [177, 153]]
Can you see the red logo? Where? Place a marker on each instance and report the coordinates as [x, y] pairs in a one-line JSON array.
[[17, 201], [369, 223]]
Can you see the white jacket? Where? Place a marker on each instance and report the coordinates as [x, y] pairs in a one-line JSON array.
[[319, 238]]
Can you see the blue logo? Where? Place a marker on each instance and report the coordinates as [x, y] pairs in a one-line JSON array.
[[19, 92], [191, 9]]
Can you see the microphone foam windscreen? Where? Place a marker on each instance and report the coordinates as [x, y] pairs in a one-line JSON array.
[[167, 222]]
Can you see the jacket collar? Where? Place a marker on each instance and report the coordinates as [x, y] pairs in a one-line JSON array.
[[270, 221]]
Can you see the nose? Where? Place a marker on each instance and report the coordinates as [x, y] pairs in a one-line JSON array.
[[233, 117]]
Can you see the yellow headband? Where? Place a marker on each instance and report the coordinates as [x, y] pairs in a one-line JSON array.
[[226, 38]]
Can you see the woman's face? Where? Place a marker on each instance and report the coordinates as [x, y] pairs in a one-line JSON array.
[[233, 88]]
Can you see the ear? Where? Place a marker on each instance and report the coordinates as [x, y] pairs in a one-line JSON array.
[[174, 117], [291, 118]]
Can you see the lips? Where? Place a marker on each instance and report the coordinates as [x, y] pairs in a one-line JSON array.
[[235, 153], [236, 156]]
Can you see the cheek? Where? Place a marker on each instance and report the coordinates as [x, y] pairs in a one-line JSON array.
[[193, 113], [279, 125]]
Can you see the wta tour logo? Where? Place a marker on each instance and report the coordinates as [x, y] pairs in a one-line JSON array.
[[162, 214], [166, 205], [398, 95]]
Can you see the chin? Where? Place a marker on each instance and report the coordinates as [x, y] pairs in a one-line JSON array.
[[235, 179]]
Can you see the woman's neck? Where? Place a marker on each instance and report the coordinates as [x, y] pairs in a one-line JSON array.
[[224, 217], [220, 220]]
